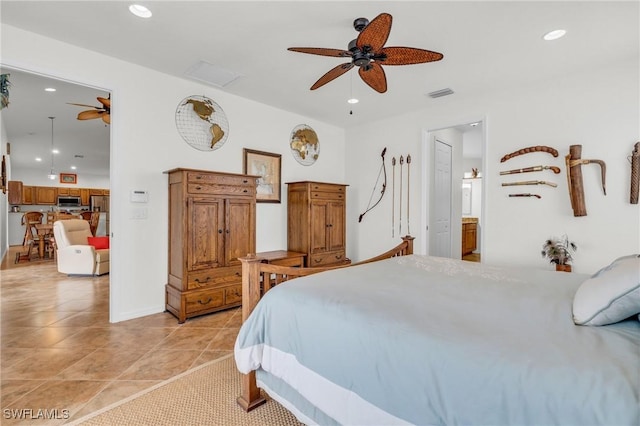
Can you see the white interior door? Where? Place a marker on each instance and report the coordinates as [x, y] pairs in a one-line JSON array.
[[442, 199]]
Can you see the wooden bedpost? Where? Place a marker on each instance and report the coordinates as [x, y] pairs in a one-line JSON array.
[[409, 240], [250, 396]]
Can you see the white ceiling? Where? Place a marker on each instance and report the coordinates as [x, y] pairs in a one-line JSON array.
[[487, 46]]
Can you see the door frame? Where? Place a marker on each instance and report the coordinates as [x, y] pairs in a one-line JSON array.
[[427, 177]]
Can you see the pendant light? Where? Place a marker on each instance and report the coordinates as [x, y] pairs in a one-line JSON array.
[[51, 175]]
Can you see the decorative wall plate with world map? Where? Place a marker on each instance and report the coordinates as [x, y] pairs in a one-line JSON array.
[[202, 123], [304, 145]]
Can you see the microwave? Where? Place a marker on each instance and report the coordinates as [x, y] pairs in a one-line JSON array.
[[69, 202]]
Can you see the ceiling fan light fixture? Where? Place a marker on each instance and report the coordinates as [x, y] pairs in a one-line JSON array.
[[554, 35], [52, 175], [140, 11]]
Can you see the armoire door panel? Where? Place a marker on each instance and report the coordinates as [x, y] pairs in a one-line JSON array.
[[319, 226], [336, 221], [239, 232], [206, 245]]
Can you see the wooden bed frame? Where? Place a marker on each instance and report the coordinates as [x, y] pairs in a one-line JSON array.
[[255, 273]]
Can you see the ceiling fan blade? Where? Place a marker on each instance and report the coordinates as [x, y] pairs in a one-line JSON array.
[[84, 105], [408, 56], [376, 33], [104, 101], [321, 51], [106, 118], [332, 74], [374, 76], [89, 115]]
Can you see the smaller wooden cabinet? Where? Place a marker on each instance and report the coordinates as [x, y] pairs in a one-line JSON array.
[[316, 215], [469, 235]]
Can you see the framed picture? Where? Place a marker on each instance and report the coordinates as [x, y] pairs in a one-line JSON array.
[[68, 178], [266, 166]]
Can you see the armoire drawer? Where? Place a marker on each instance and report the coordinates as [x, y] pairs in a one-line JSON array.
[[317, 195], [329, 258], [214, 277], [233, 294], [203, 300]]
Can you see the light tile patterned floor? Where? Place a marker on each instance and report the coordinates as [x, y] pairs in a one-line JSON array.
[[59, 352]]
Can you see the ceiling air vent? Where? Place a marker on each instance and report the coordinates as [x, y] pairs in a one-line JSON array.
[[440, 93], [211, 74]]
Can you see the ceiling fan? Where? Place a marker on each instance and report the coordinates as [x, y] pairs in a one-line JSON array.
[[103, 112], [369, 54]]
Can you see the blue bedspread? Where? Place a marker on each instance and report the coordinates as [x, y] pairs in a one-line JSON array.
[[434, 341]]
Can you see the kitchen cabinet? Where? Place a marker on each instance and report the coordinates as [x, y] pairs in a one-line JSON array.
[[46, 195], [469, 235], [212, 222], [72, 192], [27, 194], [85, 197], [14, 189], [316, 216]]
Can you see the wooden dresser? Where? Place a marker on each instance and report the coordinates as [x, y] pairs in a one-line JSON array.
[[212, 222], [316, 215]]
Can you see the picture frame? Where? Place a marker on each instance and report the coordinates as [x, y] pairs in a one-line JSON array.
[[267, 166], [70, 178]]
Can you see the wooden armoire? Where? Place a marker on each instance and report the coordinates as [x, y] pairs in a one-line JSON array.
[[212, 222], [316, 216]]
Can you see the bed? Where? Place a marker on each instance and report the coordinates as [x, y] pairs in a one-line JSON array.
[[424, 340]]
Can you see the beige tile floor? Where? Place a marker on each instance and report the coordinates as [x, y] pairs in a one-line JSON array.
[[59, 352]]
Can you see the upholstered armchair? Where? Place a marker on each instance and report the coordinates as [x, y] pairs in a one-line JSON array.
[[74, 253]]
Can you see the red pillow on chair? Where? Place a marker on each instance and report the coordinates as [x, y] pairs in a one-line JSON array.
[[99, 242]]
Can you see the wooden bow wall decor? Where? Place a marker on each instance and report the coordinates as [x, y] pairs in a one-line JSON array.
[[574, 164], [406, 184], [381, 171]]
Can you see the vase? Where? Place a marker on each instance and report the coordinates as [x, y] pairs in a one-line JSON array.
[[563, 268]]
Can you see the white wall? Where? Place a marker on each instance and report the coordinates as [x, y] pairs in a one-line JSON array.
[[145, 142], [598, 109]]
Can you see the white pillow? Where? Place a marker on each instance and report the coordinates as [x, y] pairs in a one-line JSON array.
[[610, 295]]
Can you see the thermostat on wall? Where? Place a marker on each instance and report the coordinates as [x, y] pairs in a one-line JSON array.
[[138, 196]]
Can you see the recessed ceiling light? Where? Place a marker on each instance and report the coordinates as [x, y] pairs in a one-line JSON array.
[[473, 124], [554, 35], [38, 159], [140, 11], [353, 101], [55, 151], [49, 89], [73, 167]]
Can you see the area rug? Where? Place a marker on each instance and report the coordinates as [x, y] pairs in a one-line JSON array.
[[205, 395]]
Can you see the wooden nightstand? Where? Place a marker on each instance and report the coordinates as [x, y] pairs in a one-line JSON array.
[[283, 258], [292, 259]]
